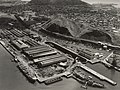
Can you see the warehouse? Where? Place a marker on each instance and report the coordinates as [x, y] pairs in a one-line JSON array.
[[53, 61], [19, 44], [47, 58], [43, 54], [17, 33], [87, 54], [38, 50], [33, 48], [31, 42]]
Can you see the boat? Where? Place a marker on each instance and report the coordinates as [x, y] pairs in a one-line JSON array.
[[82, 78]]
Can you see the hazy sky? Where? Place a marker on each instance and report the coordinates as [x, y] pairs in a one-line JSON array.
[[103, 1]]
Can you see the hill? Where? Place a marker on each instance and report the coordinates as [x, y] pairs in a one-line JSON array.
[[66, 26]]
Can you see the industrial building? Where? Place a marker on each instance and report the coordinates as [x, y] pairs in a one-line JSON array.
[[31, 42], [47, 58], [17, 33], [38, 51], [6, 34], [53, 61], [86, 53], [19, 44], [44, 55]]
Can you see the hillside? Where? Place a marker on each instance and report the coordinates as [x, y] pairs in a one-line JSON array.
[[62, 24]]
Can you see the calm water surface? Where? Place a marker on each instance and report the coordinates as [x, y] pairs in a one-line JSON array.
[[12, 79]]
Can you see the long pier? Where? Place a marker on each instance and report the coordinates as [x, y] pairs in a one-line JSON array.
[[101, 77]]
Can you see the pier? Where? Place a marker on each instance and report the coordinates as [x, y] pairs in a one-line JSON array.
[[98, 75]]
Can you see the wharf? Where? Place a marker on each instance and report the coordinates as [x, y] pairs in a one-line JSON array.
[[55, 76]]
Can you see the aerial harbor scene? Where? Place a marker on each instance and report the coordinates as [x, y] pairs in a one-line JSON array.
[[59, 44]]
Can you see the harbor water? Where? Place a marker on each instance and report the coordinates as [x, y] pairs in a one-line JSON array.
[[12, 79]]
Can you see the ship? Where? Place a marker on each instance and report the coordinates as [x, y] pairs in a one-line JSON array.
[[80, 76], [26, 70]]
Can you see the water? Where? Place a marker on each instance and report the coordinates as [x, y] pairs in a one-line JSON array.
[[12, 79]]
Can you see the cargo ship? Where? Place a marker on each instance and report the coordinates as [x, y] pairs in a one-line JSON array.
[[27, 70], [82, 78]]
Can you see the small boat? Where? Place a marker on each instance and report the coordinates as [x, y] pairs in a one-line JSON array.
[[82, 78]]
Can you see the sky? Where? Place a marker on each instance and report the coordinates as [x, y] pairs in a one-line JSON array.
[[103, 1]]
